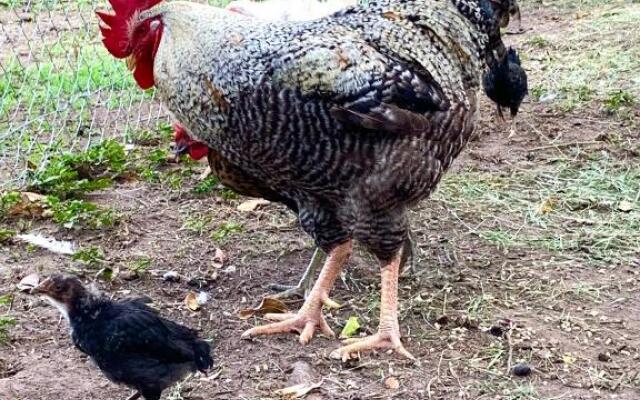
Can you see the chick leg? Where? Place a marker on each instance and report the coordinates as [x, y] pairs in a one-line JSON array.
[[134, 396], [305, 284], [388, 335], [309, 317]]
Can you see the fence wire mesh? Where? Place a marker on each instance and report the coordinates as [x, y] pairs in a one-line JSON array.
[[59, 89]]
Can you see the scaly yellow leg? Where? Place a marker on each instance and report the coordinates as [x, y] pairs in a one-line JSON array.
[[388, 335]]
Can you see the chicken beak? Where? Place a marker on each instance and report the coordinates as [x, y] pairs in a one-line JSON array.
[[131, 63], [179, 150]]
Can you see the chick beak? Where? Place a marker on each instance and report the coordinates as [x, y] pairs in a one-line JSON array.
[[42, 288], [131, 63]]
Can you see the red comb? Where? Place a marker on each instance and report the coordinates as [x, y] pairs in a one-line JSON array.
[[115, 27]]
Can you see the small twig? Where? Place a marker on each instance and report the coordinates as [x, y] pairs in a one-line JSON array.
[[510, 347], [429, 385], [569, 144]]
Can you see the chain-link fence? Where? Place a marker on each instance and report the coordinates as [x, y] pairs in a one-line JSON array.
[[59, 89]]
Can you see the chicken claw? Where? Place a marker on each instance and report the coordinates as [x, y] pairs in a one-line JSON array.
[[388, 336], [381, 340], [304, 323], [309, 318]]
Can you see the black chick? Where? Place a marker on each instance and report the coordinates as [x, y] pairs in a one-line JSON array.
[[506, 83], [129, 341]]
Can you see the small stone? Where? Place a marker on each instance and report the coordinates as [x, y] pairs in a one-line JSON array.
[[129, 276], [521, 369], [604, 357], [197, 281], [392, 383], [171, 276], [24, 17]]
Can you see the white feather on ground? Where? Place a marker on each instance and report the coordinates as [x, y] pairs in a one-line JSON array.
[[51, 244]]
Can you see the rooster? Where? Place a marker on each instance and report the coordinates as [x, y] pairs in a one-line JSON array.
[[126, 339], [354, 117]]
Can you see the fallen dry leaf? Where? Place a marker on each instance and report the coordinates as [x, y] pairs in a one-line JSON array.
[[392, 383], [548, 205], [297, 391], [568, 359], [192, 301], [303, 374], [268, 305], [28, 282], [251, 205], [29, 205]]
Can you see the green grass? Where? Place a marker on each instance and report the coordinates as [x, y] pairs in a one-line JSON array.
[[140, 265], [5, 300], [579, 70], [89, 256], [47, 86], [7, 201], [226, 230], [6, 235], [6, 323], [81, 214], [573, 5], [580, 209], [38, 6], [71, 174], [160, 136], [206, 186]]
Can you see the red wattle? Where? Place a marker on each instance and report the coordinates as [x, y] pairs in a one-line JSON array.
[[198, 150]]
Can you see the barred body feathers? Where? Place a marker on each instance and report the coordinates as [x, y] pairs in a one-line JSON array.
[[352, 117]]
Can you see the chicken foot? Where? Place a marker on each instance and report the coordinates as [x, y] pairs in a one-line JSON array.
[[309, 317], [302, 289], [388, 336]]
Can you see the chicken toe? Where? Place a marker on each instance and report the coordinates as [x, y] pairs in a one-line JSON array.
[[304, 286], [381, 340], [388, 336], [309, 318]]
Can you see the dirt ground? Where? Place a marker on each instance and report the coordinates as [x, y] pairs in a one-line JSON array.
[[571, 316]]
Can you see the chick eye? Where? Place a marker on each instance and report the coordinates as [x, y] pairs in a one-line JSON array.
[[58, 287]]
